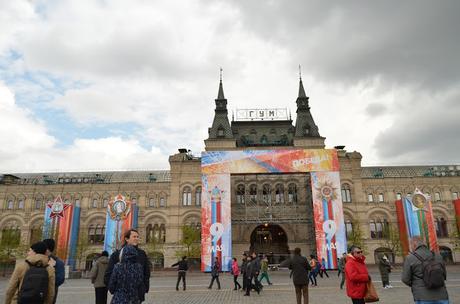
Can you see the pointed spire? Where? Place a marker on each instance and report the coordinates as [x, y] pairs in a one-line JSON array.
[[301, 89], [220, 95]]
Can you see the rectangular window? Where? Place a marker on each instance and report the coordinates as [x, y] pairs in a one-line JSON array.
[[162, 202], [370, 198], [198, 197], [151, 202], [398, 196], [38, 204], [454, 195], [105, 202], [346, 196], [10, 205], [21, 204], [381, 198], [94, 204]]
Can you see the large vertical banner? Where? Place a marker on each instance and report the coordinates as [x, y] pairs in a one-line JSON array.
[[216, 226], [328, 217], [418, 216], [402, 227], [61, 219], [121, 216], [216, 168], [457, 212]]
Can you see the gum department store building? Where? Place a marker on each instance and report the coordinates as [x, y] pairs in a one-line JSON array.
[[271, 213]]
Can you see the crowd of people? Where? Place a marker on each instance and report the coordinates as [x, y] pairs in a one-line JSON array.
[[126, 274]]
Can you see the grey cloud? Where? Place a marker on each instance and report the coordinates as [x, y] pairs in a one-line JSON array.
[[375, 109]]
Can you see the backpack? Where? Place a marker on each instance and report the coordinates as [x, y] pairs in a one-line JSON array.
[[34, 285], [434, 272]]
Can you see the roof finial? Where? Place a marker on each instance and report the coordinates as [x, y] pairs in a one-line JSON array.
[[220, 95], [221, 70], [300, 72]]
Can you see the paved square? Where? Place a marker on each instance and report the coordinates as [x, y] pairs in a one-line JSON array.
[[162, 290]]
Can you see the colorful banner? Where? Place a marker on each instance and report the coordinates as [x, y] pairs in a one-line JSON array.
[[269, 161], [61, 219], [457, 212], [402, 227], [328, 218], [418, 215], [122, 215], [216, 225]]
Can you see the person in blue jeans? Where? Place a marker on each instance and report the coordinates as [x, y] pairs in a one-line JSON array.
[[413, 272]]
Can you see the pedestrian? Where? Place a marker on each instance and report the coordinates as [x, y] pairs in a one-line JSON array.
[[300, 267], [356, 275], [215, 270], [314, 271], [59, 268], [341, 264], [248, 275], [97, 277], [264, 270], [131, 237], [322, 268], [235, 273], [182, 267], [244, 263], [32, 281], [256, 266], [385, 269], [127, 278], [424, 271]]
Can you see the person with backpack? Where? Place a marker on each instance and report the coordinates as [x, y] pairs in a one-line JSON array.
[[182, 267], [32, 281], [235, 273], [425, 272], [97, 277], [131, 238], [127, 278], [300, 267], [59, 268]]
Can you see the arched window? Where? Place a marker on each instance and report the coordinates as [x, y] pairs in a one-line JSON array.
[[36, 233], [198, 196], [156, 233], [11, 235], [149, 233], [105, 202], [373, 229], [378, 228], [454, 195], [10, 204], [370, 197], [21, 203], [91, 234], [94, 203], [240, 189], [279, 194], [292, 193], [441, 227], [162, 202], [253, 193], [266, 194], [99, 234], [151, 202], [306, 130], [381, 198], [264, 140], [220, 132], [346, 193], [437, 196], [186, 196], [162, 233], [38, 204], [349, 228]]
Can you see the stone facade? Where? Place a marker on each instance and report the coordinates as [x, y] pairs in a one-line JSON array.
[[170, 199]]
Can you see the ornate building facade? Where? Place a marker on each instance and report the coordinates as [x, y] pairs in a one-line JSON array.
[[271, 213]]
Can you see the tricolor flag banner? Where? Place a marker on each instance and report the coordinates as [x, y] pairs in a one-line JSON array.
[[457, 212], [328, 218], [418, 216], [61, 223], [216, 226], [402, 227], [122, 215]]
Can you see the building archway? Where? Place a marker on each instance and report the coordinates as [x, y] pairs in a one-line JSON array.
[[446, 254], [270, 239]]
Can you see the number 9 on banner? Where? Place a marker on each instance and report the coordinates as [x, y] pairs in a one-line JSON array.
[[216, 230], [329, 228]]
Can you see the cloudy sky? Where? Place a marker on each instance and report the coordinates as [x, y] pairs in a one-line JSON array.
[[109, 85]]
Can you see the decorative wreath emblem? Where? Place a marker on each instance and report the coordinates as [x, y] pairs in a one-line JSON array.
[[326, 191], [119, 208], [58, 207], [419, 200], [216, 195]]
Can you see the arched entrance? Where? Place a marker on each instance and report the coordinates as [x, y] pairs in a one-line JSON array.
[[270, 239], [446, 254]]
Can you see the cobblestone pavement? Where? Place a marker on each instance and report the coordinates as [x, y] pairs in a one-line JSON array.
[[162, 290]]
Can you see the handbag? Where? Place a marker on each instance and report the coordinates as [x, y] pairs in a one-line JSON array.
[[371, 293]]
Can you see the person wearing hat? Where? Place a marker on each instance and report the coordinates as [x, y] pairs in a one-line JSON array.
[[59, 268], [36, 257]]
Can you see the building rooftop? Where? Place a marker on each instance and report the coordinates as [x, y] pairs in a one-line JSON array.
[[104, 177], [410, 171]]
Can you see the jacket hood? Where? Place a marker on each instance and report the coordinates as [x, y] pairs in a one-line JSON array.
[[38, 260], [129, 253], [359, 260], [103, 260]]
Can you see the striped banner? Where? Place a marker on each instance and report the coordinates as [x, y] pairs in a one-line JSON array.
[[122, 215], [402, 227], [457, 212]]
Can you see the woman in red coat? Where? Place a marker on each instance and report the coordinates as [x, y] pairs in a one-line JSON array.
[[356, 275]]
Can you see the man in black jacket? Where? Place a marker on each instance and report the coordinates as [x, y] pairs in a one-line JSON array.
[[131, 237], [181, 271], [299, 269]]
